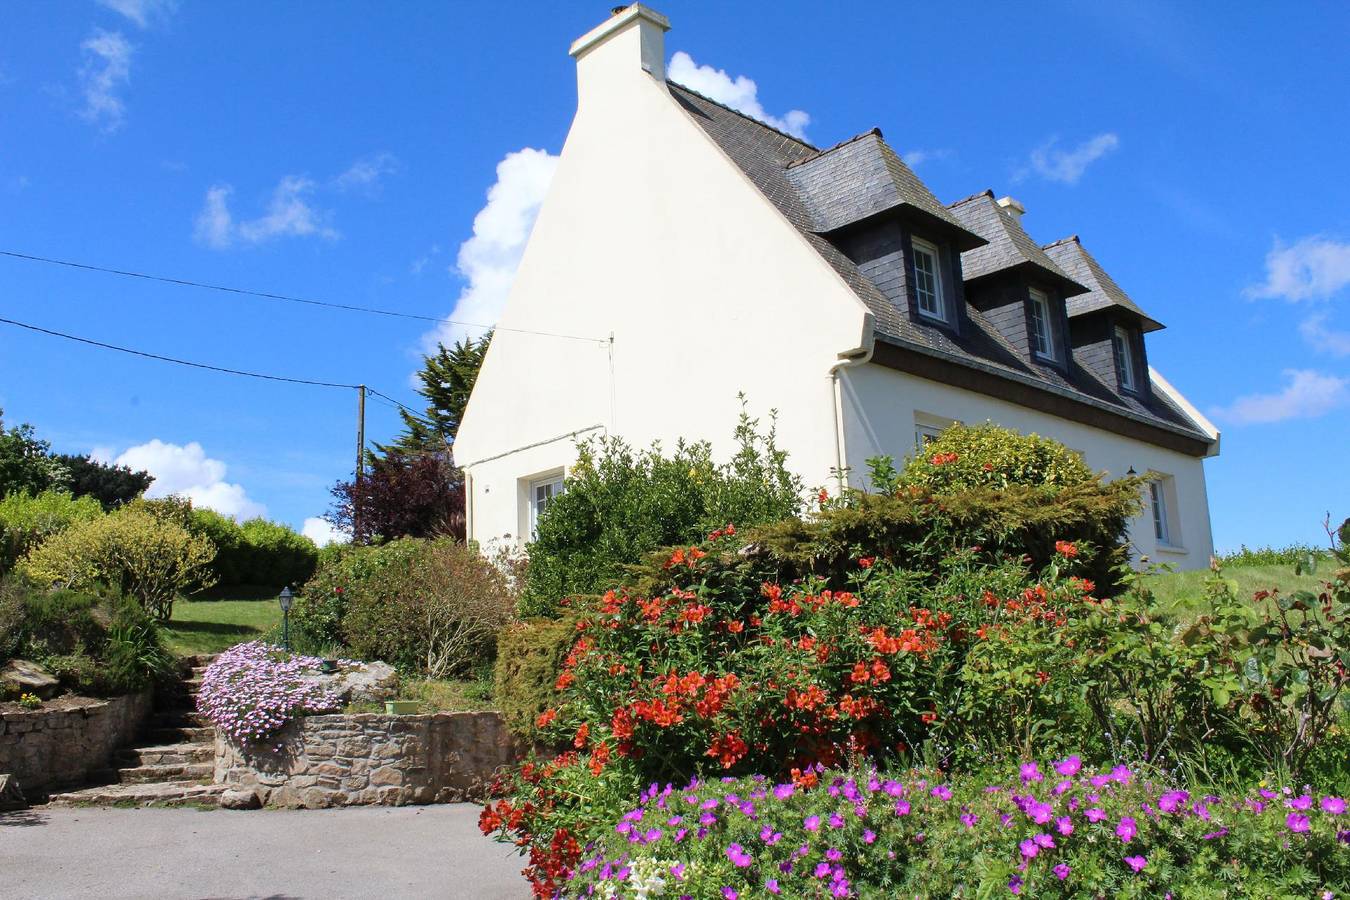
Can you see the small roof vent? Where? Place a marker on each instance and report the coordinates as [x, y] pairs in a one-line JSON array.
[[1012, 207]]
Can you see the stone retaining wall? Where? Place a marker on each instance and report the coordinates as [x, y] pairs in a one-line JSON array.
[[371, 759], [62, 746]]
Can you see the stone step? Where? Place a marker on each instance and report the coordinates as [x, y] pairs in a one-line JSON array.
[[178, 718], [167, 754], [171, 794], [171, 772], [187, 735]]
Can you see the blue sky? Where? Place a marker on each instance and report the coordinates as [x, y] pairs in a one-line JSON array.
[[346, 151]]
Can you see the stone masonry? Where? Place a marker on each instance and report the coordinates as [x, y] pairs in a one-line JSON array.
[[56, 747], [370, 759]]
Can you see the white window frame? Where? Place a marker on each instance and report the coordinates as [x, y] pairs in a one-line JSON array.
[[1124, 353], [1162, 507], [941, 314], [924, 435], [1042, 326], [555, 486]]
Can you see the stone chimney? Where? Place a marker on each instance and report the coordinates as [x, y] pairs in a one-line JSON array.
[[1012, 207], [632, 39]]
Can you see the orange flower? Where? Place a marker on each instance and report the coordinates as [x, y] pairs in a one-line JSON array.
[[582, 734], [865, 562], [860, 675], [728, 749], [564, 679], [546, 718], [1067, 549], [880, 671], [735, 627], [621, 723]]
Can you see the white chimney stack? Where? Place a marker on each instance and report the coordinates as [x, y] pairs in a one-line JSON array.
[[1011, 206], [632, 39]]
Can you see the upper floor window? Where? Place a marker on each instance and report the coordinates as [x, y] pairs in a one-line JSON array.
[[928, 280], [1124, 351], [1042, 328]]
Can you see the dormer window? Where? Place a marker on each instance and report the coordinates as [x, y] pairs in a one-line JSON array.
[[1042, 327], [1124, 352], [928, 281]]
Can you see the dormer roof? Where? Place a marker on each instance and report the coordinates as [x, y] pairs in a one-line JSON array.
[[863, 177], [1009, 246], [1103, 292]]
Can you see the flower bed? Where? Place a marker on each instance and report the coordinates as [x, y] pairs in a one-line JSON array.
[[1052, 832], [253, 689]]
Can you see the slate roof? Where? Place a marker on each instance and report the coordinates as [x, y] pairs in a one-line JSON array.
[[767, 157], [862, 177], [1009, 246], [1103, 292]]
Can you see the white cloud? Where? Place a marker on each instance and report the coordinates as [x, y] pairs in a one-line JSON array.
[[322, 532], [187, 471], [1307, 395], [141, 11], [740, 93], [366, 174], [487, 261], [1317, 331], [915, 158], [105, 71], [1310, 269], [1067, 166], [289, 214]]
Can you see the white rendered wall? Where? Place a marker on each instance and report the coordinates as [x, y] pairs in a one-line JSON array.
[[879, 414], [649, 232]]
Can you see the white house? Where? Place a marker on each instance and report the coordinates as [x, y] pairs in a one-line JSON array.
[[685, 253]]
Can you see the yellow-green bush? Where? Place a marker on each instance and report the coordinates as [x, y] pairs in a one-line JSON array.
[[131, 551], [966, 456], [26, 520]]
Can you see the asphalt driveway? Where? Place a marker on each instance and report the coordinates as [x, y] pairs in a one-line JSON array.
[[188, 854]]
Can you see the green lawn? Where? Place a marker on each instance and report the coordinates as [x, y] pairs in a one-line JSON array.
[[218, 619], [1183, 592]]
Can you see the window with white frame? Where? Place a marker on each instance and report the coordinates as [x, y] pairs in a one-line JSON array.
[[925, 435], [1161, 494], [1042, 326], [542, 493], [1124, 350], [928, 280]]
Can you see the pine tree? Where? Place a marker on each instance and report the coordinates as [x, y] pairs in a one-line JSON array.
[[447, 379]]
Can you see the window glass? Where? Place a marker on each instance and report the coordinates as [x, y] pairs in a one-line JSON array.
[[1042, 335], [928, 280], [1124, 358], [1159, 497], [542, 494]]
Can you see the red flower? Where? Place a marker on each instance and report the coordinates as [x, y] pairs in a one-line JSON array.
[[860, 675], [1067, 549], [942, 459], [866, 562], [728, 749], [582, 734], [546, 718]]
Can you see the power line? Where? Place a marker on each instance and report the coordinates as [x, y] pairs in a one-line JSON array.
[[267, 295], [171, 359]]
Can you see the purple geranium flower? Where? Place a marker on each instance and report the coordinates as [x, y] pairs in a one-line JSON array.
[[1296, 822], [1126, 830], [1069, 766], [1333, 805], [736, 853], [811, 823], [1137, 863], [1061, 871], [1031, 772]]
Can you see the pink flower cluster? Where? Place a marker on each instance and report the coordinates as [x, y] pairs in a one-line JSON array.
[[253, 689]]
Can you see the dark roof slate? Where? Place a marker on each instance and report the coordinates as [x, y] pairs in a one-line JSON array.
[[1009, 246], [1103, 292], [861, 178], [766, 156]]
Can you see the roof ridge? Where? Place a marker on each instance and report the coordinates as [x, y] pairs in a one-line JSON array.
[[819, 153], [987, 192], [792, 137], [1073, 238]]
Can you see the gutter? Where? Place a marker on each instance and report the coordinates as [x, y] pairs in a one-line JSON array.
[[852, 359]]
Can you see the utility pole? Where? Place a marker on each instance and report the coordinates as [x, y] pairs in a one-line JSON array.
[[360, 457]]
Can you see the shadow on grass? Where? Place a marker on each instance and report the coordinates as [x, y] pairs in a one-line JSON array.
[[219, 629], [237, 592]]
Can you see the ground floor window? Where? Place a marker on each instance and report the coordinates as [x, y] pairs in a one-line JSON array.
[[542, 493], [1162, 504]]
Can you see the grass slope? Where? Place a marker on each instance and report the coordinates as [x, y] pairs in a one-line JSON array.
[[1184, 592], [219, 619]]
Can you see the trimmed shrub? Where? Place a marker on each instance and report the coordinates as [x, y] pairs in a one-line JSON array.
[[620, 504], [530, 655], [27, 520], [965, 456], [132, 551], [257, 552], [428, 606]]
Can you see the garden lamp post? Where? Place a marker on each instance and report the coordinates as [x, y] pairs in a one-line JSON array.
[[286, 598]]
